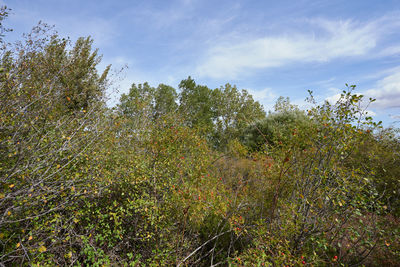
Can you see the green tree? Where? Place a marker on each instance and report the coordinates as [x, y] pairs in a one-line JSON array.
[[148, 102], [4, 11], [233, 112], [75, 80], [165, 100], [195, 104], [45, 147], [380, 153], [138, 102], [277, 127], [81, 83]]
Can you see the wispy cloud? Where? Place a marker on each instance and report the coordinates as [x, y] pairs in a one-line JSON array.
[[365, 105], [395, 117], [266, 94], [391, 50], [386, 92], [266, 97], [327, 41]]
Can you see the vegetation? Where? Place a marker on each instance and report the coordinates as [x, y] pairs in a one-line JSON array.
[[196, 177]]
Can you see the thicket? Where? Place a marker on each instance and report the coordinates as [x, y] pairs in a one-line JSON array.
[[200, 177]]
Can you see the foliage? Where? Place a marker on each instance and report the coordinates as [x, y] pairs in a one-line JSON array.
[[195, 102], [148, 102], [379, 153], [45, 143], [321, 207], [198, 178], [233, 112], [221, 114], [277, 128]]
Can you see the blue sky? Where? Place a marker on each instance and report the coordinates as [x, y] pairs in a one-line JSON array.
[[270, 48]]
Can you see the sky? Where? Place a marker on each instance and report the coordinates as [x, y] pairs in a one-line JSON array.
[[270, 48]]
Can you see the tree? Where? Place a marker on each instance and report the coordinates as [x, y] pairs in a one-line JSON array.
[[380, 153], [277, 127], [51, 118], [81, 83], [3, 15], [195, 104], [165, 100], [146, 101], [138, 102], [233, 112]]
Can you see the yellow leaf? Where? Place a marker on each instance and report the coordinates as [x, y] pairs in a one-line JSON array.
[[1, 195], [17, 246], [1, 235], [9, 213], [42, 249], [58, 166], [30, 238], [11, 185]]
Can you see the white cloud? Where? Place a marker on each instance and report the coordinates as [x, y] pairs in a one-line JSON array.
[[365, 105], [333, 99], [396, 117], [391, 50], [329, 40], [370, 112], [265, 97], [264, 94], [386, 92]]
